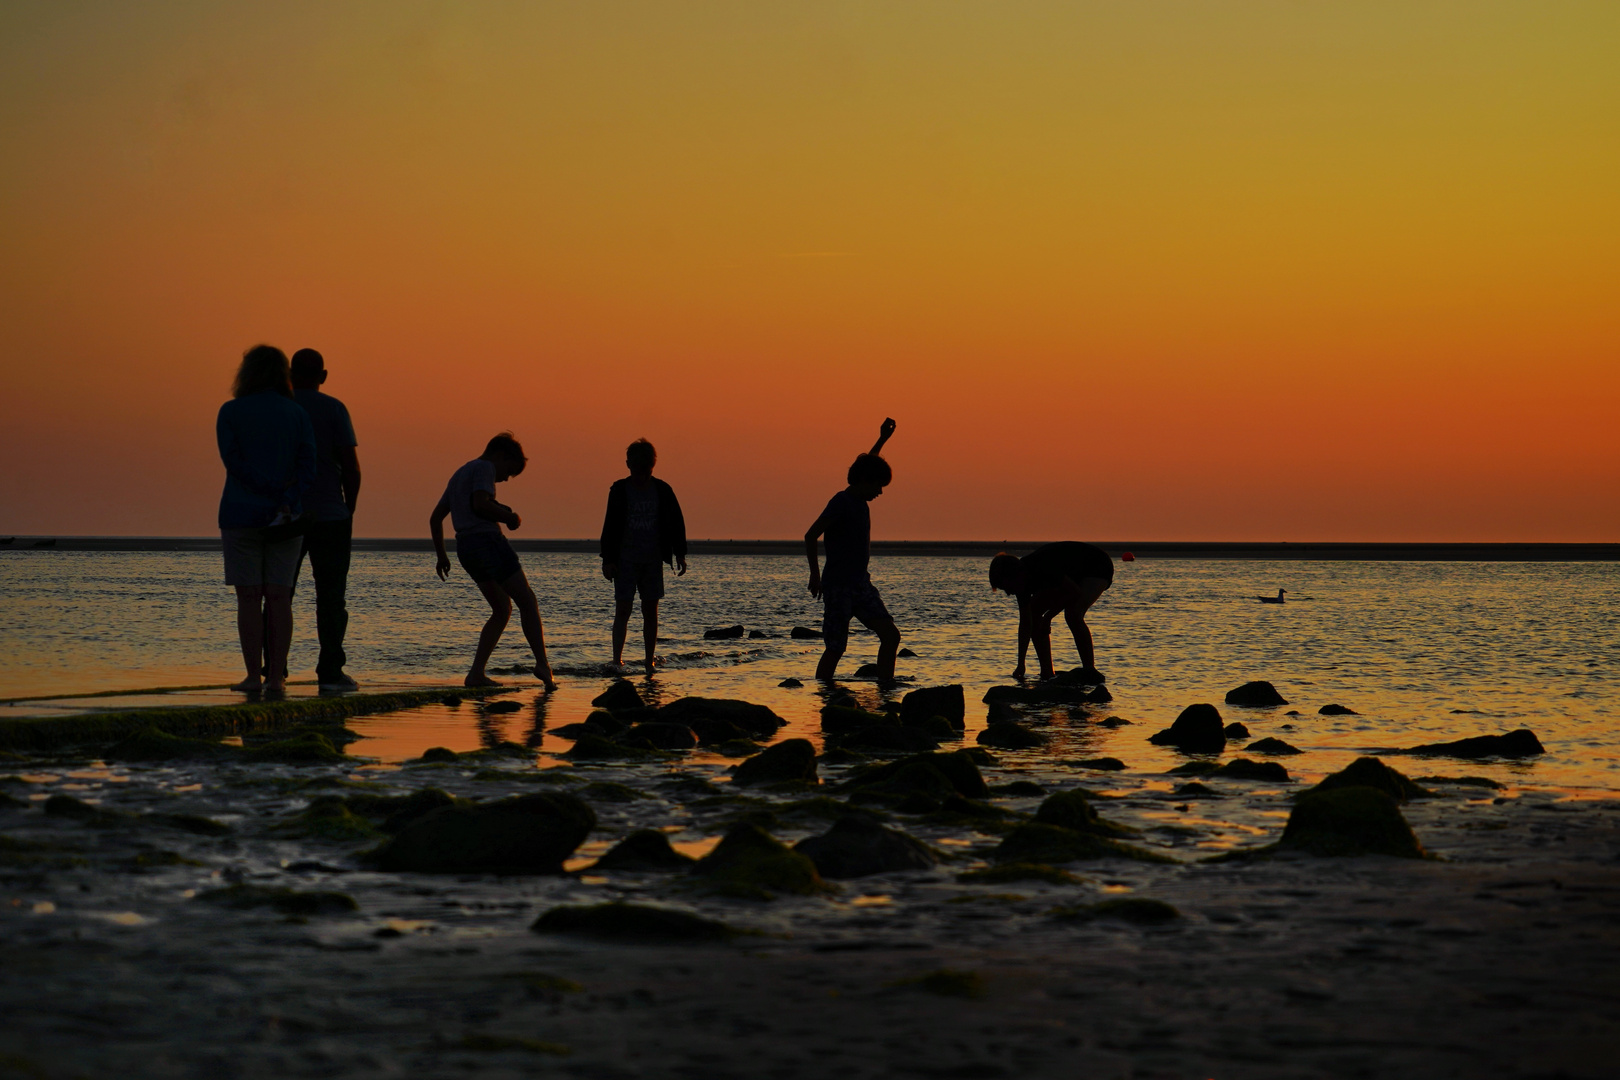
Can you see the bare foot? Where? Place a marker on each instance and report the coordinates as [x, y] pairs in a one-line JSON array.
[[249, 685], [543, 673], [479, 680], [275, 689]]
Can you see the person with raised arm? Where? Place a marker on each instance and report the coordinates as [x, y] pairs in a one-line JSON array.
[[1065, 577], [845, 587], [486, 554]]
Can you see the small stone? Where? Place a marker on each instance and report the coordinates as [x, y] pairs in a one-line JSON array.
[[1257, 694], [1007, 735], [1244, 769], [665, 736], [1336, 710], [1072, 810], [1101, 764], [1140, 910], [751, 864], [1372, 773], [1520, 743], [1114, 721], [643, 851], [921, 705], [631, 922], [286, 901], [1349, 821], [1050, 844], [1192, 789], [804, 632], [790, 684], [450, 700], [723, 633], [790, 759], [759, 635], [1007, 873], [868, 671], [620, 694], [858, 846], [1236, 731], [905, 654], [1017, 789], [1274, 747], [1198, 730]]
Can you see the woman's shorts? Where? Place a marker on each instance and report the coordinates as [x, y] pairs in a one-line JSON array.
[[647, 578], [252, 560], [486, 556]]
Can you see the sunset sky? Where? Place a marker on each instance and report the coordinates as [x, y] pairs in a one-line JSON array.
[[1145, 270]]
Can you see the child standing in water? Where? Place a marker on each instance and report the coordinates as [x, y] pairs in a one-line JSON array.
[[643, 530], [487, 556], [845, 588]]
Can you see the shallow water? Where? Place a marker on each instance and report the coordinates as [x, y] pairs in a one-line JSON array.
[[1423, 652]]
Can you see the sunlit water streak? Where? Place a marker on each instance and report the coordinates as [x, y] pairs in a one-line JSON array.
[[1422, 651]]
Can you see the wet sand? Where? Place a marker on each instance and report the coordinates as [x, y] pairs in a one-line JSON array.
[[1495, 959]]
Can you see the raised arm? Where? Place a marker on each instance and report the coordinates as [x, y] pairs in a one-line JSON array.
[[810, 554], [436, 525], [884, 431]]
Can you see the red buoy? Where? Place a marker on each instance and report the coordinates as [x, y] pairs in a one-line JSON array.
[[1127, 557]]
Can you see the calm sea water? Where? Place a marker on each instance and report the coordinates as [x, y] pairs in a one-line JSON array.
[[1422, 651]]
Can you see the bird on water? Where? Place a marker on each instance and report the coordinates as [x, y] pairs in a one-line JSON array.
[[1278, 599]]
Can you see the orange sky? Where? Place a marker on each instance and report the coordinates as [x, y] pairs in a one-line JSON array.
[[1120, 271]]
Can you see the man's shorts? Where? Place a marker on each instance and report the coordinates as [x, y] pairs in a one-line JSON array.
[[841, 602], [486, 556], [252, 560], [646, 578]]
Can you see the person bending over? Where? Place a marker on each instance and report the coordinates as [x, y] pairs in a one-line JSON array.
[[487, 556], [1067, 577], [643, 530], [845, 588]]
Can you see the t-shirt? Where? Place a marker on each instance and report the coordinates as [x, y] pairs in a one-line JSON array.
[[848, 521], [476, 475], [641, 524], [332, 430], [1049, 564], [268, 447]]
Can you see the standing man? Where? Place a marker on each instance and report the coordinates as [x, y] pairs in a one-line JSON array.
[[643, 530], [331, 504]]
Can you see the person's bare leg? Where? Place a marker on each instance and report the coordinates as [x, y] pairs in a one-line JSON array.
[[500, 610], [836, 643], [250, 632], [278, 635], [517, 586], [1075, 616], [649, 629], [888, 636], [621, 628], [1042, 640]]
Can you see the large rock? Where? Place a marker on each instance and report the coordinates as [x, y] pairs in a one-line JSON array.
[[528, 834], [1072, 810], [639, 923], [620, 695], [1006, 735], [1051, 844], [1521, 743], [1336, 710], [1372, 773], [857, 845], [957, 770], [841, 719], [751, 864], [757, 720], [644, 851], [1198, 730], [1244, 769], [790, 759], [665, 736], [804, 633], [1349, 821], [1257, 694], [919, 706]]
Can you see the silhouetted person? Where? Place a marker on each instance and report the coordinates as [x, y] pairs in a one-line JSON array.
[[486, 554], [845, 587], [330, 504], [268, 446], [1067, 577], [643, 530]]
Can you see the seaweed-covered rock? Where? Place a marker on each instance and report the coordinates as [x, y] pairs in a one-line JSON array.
[[1007, 873], [1257, 694], [1048, 693], [756, 720], [595, 748], [1520, 743], [1132, 909], [526, 834], [620, 694], [644, 851], [1198, 730], [152, 744], [1194, 790], [286, 901], [752, 864], [437, 754], [1006, 735], [723, 633], [804, 633], [1236, 730], [919, 706], [1372, 773], [958, 770], [400, 811], [1113, 722], [1244, 769], [665, 736], [1273, 747], [1336, 710], [790, 759], [328, 817], [839, 719], [1349, 821], [857, 845], [639, 923], [1041, 843], [790, 683], [309, 748], [1072, 810]]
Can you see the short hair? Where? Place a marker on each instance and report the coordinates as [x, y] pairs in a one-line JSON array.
[[307, 363], [870, 469], [264, 367], [1000, 567], [507, 446], [641, 454]]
